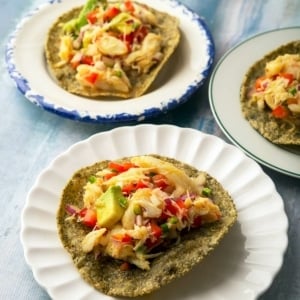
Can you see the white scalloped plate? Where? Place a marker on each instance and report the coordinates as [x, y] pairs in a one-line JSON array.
[[241, 267], [178, 80]]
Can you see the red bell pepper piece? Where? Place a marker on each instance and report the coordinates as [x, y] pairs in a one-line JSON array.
[[89, 217], [91, 78]]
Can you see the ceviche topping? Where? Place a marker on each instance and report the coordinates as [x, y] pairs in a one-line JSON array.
[[109, 40], [138, 207], [279, 88]]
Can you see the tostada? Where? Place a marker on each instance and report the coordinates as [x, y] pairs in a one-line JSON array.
[[270, 95], [135, 224], [108, 48]]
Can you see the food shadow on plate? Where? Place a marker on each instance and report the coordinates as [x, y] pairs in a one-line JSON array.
[[218, 267], [175, 63], [295, 149]]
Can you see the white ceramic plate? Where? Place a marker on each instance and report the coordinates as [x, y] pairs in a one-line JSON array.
[[224, 96], [184, 73], [241, 267]]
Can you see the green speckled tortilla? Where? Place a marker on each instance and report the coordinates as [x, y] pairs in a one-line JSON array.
[[275, 130], [104, 274], [65, 76]]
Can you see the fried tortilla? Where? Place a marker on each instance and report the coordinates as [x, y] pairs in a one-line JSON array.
[[105, 274], [276, 122], [118, 61]]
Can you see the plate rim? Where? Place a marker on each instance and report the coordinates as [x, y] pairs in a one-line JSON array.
[[217, 116], [79, 114], [66, 153]]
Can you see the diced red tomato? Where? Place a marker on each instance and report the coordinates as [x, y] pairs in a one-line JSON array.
[[110, 13], [180, 203], [138, 35], [280, 112], [115, 166], [129, 6], [173, 208], [82, 212], [107, 176], [90, 218], [156, 230], [128, 39], [141, 184], [128, 165], [87, 60], [92, 77], [127, 239], [132, 187], [289, 76], [170, 208], [128, 188], [155, 239], [120, 167], [92, 17]]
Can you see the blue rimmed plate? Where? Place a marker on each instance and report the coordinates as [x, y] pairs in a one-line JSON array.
[[179, 79]]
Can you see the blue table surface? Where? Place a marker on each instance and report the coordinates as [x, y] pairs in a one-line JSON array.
[[31, 137]]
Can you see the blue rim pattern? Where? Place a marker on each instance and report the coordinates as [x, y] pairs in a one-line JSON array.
[[24, 86]]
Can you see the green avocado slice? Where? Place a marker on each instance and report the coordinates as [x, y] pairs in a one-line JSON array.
[[110, 207]]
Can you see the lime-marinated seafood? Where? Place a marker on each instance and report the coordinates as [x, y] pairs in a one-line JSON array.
[[270, 95], [110, 48], [123, 219]]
